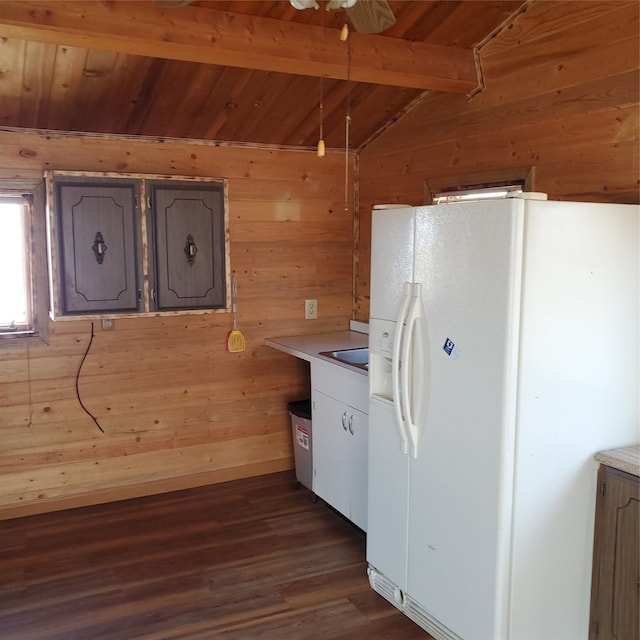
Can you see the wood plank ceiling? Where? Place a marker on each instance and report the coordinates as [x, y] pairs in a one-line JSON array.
[[244, 71]]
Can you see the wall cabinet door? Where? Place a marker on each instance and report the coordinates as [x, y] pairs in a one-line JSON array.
[[118, 252], [616, 558], [189, 239], [99, 244], [340, 451]]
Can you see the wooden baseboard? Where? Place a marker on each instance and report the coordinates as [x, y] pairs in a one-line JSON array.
[[165, 485]]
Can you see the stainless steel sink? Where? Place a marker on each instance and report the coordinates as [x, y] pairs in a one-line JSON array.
[[356, 357]]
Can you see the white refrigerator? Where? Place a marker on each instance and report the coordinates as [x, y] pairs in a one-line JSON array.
[[503, 354]]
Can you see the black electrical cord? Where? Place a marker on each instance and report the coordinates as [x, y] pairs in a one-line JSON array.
[[78, 379]]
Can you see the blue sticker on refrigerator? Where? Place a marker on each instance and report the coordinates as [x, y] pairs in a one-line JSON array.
[[450, 349]]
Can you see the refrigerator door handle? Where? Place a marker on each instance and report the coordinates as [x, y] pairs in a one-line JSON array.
[[395, 368], [408, 370]]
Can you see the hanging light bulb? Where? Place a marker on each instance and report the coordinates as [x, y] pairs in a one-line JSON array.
[[344, 32]]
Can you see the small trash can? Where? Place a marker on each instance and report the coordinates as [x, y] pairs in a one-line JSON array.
[[300, 412]]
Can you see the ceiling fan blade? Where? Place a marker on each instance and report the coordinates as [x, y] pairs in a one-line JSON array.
[[334, 5], [300, 5], [371, 16]]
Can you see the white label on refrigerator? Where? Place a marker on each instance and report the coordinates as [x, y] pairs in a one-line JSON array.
[[450, 349]]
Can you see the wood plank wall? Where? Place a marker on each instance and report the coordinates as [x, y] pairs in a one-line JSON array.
[[561, 95], [176, 408]]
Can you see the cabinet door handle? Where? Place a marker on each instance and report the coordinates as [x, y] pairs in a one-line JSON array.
[[351, 424], [99, 247], [344, 420]]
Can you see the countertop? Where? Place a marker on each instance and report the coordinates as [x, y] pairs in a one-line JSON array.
[[624, 459], [308, 347]]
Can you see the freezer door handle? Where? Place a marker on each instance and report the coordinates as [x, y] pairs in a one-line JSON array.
[[396, 367], [410, 367]]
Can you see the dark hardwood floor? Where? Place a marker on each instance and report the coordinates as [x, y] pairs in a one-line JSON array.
[[236, 561]]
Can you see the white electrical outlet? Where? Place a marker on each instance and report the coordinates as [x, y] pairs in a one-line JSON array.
[[310, 309]]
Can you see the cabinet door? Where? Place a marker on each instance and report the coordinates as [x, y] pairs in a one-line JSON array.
[[357, 466], [98, 246], [616, 558], [340, 456], [330, 482], [189, 234]]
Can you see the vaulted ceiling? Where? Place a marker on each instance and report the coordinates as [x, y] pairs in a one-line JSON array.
[[244, 71]]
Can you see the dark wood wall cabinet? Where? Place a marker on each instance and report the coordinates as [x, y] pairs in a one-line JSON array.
[[124, 244], [615, 588]]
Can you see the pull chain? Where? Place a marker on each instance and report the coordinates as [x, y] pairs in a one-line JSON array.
[[347, 128], [321, 147]]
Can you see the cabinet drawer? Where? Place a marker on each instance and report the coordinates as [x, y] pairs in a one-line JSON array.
[[347, 386]]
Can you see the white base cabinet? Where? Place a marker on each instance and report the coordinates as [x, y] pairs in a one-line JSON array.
[[340, 439]]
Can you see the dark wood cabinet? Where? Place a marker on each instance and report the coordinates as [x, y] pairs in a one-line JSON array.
[[615, 592], [189, 235], [99, 267], [137, 244]]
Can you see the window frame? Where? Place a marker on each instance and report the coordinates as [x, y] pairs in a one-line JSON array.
[[145, 211], [32, 194], [479, 181]]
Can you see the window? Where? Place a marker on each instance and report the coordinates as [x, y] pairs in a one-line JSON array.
[[23, 286], [477, 193], [473, 186], [134, 244], [15, 294]]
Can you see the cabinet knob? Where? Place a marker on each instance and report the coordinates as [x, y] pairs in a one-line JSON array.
[[344, 420], [351, 424]]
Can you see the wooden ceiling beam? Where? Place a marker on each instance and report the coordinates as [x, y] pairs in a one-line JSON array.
[[199, 34]]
